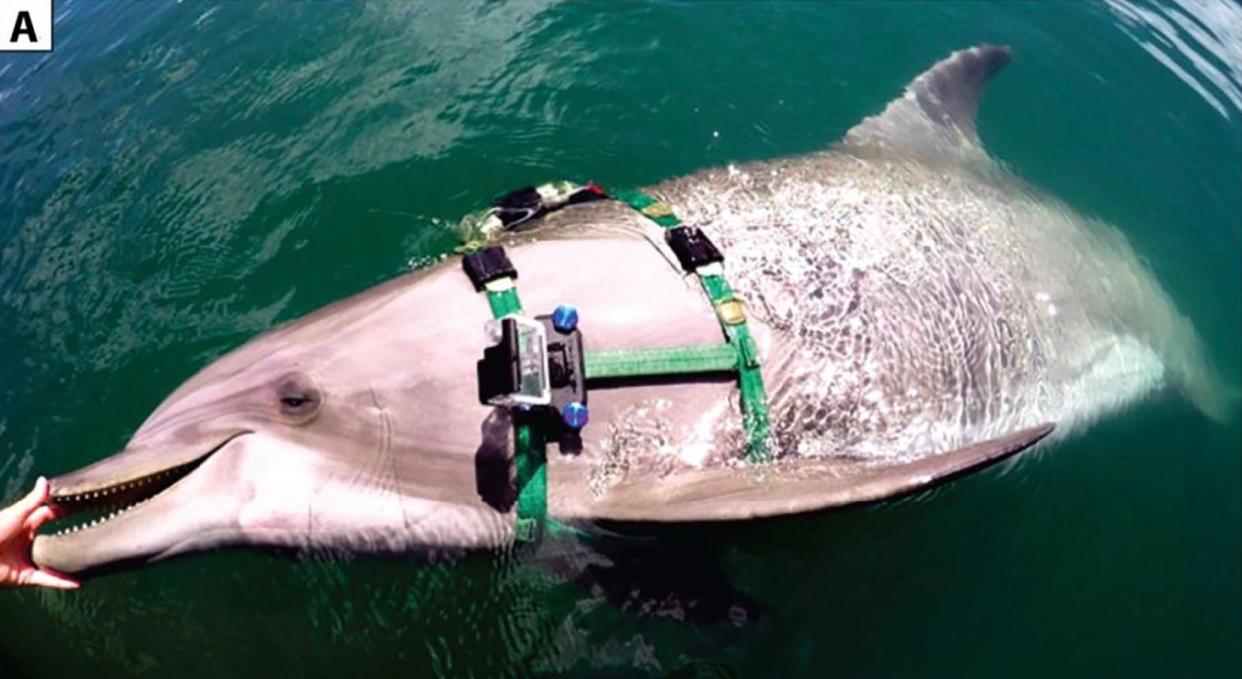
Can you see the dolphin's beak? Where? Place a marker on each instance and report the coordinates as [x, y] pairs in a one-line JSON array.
[[124, 508]]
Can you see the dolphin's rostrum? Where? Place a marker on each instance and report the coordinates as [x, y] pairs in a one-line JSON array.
[[919, 311]]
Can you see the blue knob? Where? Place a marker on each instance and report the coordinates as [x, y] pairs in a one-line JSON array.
[[575, 415], [565, 318]]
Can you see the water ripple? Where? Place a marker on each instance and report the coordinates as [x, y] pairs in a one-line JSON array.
[[1198, 40]]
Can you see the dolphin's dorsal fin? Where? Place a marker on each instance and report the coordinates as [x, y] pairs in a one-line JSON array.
[[935, 116]]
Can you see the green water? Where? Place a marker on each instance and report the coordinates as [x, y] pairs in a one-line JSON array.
[[176, 178]]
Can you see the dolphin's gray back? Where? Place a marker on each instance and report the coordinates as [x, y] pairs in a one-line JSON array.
[[929, 298]]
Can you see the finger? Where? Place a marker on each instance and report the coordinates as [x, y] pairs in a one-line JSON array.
[[39, 517], [34, 498], [46, 578]]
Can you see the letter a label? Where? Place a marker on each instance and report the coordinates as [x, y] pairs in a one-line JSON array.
[[25, 25]]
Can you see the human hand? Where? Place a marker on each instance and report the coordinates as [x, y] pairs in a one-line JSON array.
[[18, 524]]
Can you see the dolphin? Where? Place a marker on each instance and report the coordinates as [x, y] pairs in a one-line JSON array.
[[919, 311]]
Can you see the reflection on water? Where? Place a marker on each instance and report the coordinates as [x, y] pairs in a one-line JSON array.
[[1199, 40]]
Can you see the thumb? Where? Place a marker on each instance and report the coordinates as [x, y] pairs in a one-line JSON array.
[[34, 498]]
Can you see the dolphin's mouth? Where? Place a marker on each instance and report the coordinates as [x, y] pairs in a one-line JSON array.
[[85, 510]]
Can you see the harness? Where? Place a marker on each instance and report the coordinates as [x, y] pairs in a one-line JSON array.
[[537, 369]]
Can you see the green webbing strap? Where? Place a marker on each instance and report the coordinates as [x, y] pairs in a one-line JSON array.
[[529, 447], [504, 302], [749, 377], [651, 208], [602, 365], [531, 460]]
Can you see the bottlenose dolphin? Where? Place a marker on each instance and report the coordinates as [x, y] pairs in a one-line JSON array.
[[919, 311]]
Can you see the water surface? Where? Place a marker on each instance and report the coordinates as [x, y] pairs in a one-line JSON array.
[[176, 178]]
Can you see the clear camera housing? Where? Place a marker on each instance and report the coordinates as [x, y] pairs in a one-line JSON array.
[[534, 387]]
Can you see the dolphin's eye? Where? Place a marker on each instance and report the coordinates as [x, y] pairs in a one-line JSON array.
[[298, 396]]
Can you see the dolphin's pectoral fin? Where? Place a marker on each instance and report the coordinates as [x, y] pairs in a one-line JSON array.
[[785, 487], [936, 114]]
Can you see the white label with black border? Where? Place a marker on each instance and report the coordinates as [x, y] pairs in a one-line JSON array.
[[25, 25]]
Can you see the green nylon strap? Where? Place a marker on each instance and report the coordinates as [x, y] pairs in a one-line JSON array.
[[529, 448], [602, 365], [530, 454], [750, 379], [504, 302], [651, 208]]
